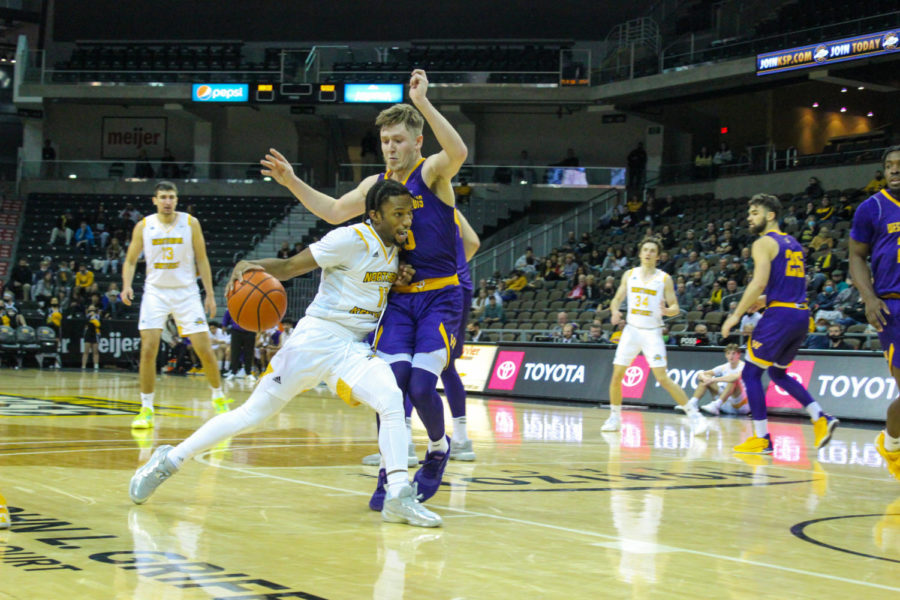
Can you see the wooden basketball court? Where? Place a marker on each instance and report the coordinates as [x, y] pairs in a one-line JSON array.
[[551, 509]]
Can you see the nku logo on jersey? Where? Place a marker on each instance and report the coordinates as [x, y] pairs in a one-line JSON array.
[[220, 92]]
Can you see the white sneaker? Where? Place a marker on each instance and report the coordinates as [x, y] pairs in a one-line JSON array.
[[613, 423], [684, 409], [251, 378], [229, 376], [406, 509], [711, 408], [462, 450], [699, 423], [241, 373]]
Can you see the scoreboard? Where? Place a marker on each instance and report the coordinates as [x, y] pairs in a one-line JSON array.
[[817, 55]]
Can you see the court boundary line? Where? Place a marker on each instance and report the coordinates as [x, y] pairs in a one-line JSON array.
[[200, 458]]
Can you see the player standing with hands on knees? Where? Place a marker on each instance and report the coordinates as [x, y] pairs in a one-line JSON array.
[[876, 232], [779, 276], [359, 265], [175, 253], [417, 333], [651, 296]]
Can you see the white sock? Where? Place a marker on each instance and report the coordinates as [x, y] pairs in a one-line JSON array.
[[460, 434], [217, 393], [616, 410], [761, 428], [396, 481], [692, 402], [891, 444], [691, 409], [147, 400], [718, 402], [409, 429], [814, 410], [227, 365], [439, 446]]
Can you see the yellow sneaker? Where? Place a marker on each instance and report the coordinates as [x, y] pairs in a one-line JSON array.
[[823, 427], [755, 445], [144, 420], [193, 371], [4, 514], [221, 404], [891, 459]]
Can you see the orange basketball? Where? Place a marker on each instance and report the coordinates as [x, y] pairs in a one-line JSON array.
[[258, 302]]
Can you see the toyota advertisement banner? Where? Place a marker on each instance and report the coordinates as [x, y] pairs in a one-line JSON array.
[[856, 386]]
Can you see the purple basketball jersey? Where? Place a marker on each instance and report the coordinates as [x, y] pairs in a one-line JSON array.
[[787, 278], [877, 224]]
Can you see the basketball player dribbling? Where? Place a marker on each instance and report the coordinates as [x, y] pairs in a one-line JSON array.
[[876, 231], [359, 265], [418, 331], [651, 296], [175, 253], [779, 279]]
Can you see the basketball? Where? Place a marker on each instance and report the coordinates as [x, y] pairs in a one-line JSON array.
[[258, 302]]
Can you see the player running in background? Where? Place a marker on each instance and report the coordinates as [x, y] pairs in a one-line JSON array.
[[418, 330], [876, 232], [651, 296], [779, 276], [175, 253], [359, 265]]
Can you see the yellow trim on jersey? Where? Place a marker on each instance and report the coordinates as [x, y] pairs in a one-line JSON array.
[[752, 357], [387, 255], [268, 370], [889, 197], [345, 393], [803, 306], [377, 337], [426, 285], [889, 355], [362, 237], [443, 332], [456, 220], [387, 173]]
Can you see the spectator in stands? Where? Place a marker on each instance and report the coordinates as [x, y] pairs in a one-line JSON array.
[[731, 288], [637, 167], [111, 302], [666, 263], [836, 338], [568, 335], [846, 208], [617, 262], [114, 255], [667, 237], [54, 316], [297, 249], [46, 266], [823, 239], [524, 173], [527, 262], [790, 218], [143, 169], [90, 338], [550, 271], [827, 298], [129, 213], [48, 160], [818, 340], [703, 164], [876, 184], [651, 208], [751, 318], [813, 190], [714, 302], [723, 155], [284, 251], [685, 298], [44, 289], [725, 246], [578, 291], [492, 314], [699, 337], [9, 314], [585, 246], [101, 226], [810, 228], [562, 319], [515, 284], [708, 276], [691, 265], [668, 209], [62, 228], [84, 238], [689, 243], [473, 331], [736, 270], [65, 275], [479, 303], [635, 208], [84, 278], [20, 280], [570, 160], [840, 284], [569, 267], [825, 212], [745, 261], [595, 335]]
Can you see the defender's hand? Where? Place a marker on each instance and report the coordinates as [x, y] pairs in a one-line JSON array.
[[237, 275], [276, 166]]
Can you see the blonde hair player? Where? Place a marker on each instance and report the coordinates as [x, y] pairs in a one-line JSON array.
[[651, 296], [175, 253], [359, 265]]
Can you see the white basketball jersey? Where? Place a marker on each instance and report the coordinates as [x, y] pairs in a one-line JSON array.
[[169, 252], [357, 274], [645, 298], [726, 369]]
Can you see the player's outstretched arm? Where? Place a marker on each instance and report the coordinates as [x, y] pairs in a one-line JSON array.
[[446, 163], [130, 263], [281, 269], [334, 211]]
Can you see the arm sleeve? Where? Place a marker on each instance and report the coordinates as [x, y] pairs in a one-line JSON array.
[[336, 247]]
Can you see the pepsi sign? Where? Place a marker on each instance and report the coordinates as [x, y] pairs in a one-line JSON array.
[[220, 92]]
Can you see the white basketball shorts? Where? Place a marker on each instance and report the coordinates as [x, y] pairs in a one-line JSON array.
[[318, 351], [183, 303], [635, 340]]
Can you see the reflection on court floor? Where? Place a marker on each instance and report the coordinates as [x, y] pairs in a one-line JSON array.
[[551, 508]]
